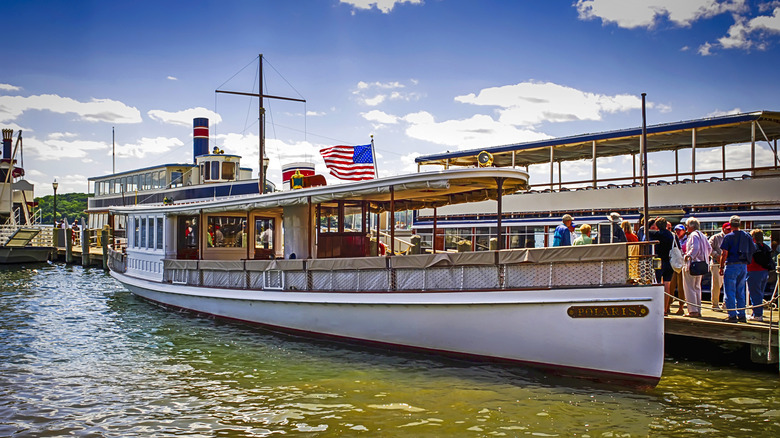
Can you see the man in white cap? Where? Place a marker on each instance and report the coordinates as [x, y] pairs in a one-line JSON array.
[[562, 236]]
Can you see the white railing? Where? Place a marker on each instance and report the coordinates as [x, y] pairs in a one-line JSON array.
[[589, 266]]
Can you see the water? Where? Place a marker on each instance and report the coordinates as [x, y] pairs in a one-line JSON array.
[[81, 356]]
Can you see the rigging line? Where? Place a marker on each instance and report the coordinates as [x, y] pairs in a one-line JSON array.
[[236, 74], [249, 108], [270, 112], [283, 78]]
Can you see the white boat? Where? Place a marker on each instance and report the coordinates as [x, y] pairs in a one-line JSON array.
[[301, 261]]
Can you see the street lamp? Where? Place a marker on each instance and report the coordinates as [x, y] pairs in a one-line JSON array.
[[54, 185], [265, 172]]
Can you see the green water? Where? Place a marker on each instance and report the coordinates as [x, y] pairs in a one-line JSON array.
[[80, 356]]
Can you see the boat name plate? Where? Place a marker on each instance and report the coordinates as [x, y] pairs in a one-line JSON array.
[[626, 311]]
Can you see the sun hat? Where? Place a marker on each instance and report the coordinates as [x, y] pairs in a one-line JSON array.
[[614, 217]]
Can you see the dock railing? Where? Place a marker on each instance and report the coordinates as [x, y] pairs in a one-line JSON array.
[[533, 268]]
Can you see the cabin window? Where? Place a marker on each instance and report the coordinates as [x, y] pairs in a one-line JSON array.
[[228, 170], [329, 219], [176, 178], [187, 238], [264, 238], [454, 235], [353, 218], [215, 170], [159, 233], [224, 231], [204, 176], [137, 234], [142, 242], [526, 237]]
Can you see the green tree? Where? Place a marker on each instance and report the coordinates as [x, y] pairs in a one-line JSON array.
[[72, 206]]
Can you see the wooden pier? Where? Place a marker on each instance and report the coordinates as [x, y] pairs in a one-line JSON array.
[[762, 337]]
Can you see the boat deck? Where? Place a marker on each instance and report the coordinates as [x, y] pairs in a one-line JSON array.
[[712, 327]]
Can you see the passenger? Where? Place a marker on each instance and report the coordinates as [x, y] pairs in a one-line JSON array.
[[682, 235], [717, 278], [738, 249], [210, 236], [219, 238], [697, 250], [758, 274], [628, 231], [658, 231], [562, 236], [616, 233], [584, 238]]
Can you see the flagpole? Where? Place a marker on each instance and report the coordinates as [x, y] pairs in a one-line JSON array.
[[373, 156]]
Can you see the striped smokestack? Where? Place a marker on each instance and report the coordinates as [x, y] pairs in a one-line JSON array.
[[200, 132], [8, 135]]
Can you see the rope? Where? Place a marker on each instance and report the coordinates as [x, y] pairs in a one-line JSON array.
[[772, 300]]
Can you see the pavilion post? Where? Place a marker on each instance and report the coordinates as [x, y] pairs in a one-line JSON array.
[[594, 163], [500, 212], [392, 220], [645, 204], [433, 240], [723, 158], [552, 164], [693, 155], [752, 146]]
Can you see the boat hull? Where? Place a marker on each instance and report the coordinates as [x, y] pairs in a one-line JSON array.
[[529, 326], [25, 254]]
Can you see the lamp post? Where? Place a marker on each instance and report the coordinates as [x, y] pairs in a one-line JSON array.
[[265, 171], [54, 185]]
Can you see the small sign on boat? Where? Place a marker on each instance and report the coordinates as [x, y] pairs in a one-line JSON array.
[[628, 311]]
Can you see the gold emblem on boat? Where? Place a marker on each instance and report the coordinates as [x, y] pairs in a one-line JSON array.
[[485, 159], [630, 311]]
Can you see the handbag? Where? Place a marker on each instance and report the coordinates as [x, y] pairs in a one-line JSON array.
[[676, 257], [698, 268]]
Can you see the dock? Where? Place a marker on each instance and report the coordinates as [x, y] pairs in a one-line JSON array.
[[762, 337]]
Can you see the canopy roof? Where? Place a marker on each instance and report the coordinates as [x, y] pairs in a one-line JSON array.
[[410, 192], [710, 132]]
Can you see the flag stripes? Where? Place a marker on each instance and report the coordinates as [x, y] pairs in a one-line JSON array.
[[354, 163]]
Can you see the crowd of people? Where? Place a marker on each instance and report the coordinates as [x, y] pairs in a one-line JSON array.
[[739, 262]]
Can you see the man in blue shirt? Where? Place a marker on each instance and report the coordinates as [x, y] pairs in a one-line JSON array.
[[562, 236], [738, 249]]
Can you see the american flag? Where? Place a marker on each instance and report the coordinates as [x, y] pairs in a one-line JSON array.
[[349, 162]]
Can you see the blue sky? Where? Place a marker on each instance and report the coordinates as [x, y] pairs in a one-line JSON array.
[[422, 76]]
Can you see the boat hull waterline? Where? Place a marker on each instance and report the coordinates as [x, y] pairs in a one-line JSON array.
[[526, 326]]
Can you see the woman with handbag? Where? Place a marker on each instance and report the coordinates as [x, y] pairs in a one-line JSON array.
[[697, 250], [666, 241]]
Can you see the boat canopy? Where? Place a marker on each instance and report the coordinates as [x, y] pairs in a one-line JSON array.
[[709, 132], [405, 192]]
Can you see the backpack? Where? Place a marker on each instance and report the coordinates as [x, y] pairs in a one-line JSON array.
[[763, 257]]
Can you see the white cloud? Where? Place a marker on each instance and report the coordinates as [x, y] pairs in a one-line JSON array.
[[57, 149], [705, 49], [632, 14], [374, 101], [184, 117], [717, 113], [172, 78], [746, 34], [148, 146], [530, 103], [61, 135], [315, 113], [383, 5], [375, 93], [96, 110], [380, 117], [9, 87], [476, 131]]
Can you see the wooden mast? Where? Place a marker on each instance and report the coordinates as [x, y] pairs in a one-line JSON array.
[[261, 121]]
